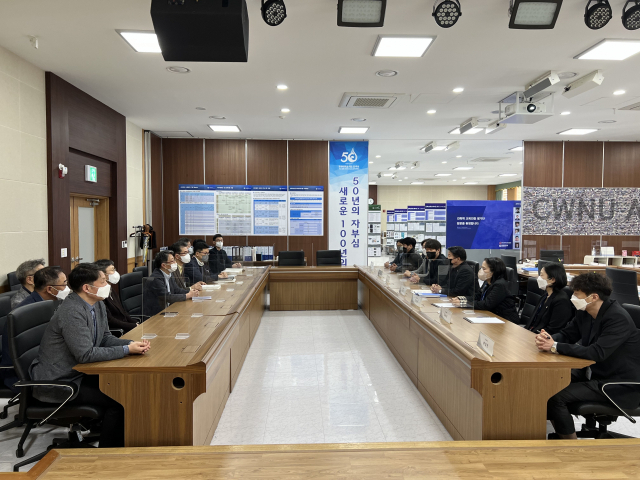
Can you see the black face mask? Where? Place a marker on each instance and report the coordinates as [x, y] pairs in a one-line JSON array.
[[431, 255], [404, 249]]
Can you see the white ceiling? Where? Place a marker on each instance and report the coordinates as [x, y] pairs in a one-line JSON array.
[[320, 61]]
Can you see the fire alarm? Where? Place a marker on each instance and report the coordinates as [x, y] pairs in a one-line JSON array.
[[62, 170]]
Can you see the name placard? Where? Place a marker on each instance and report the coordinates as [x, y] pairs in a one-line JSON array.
[[446, 314], [404, 290], [388, 280], [486, 344], [416, 300], [380, 272]]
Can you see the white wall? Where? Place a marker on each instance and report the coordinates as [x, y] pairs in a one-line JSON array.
[[135, 179], [23, 163]]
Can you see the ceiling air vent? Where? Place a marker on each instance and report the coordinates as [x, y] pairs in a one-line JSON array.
[[369, 100], [634, 106], [487, 159]]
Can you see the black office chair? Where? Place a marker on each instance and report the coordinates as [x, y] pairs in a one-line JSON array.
[[599, 415], [14, 284], [510, 261], [533, 297], [625, 285], [131, 292], [475, 266], [512, 278], [143, 269], [291, 259], [26, 327], [328, 258], [9, 294], [6, 392]]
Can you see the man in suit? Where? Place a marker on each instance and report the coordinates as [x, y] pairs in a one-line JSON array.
[[409, 260], [218, 258], [25, 272], [428, 271], [181, 253], [160, 289], [197, 270], [607, 335], [79, 333], [396, 260], [117, 316], [460, 278]]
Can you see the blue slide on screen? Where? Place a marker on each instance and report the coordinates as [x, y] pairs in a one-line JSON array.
[[484, 224]]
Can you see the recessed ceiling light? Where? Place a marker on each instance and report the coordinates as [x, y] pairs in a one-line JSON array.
[[386, 73], [351, 130], [442, 174], [610, 49], [285, 110], [607, 121], [200, 108], [401, 45], [406, 178], [399, 180], [578, 131], [458, 156], [463, 168], [216, 117], [431, 112], [141, 41], [458, 90], [371, 161], [464, 178], [454, 180], [444, 162], [417, 183], [508, 175], [565, 75], [282, 87], [565, 113], [470, 183], [516, 149], [358, 119], [520, 163], [372, 183], [619, 92], [527, 14], [225, 128], [178, 69], [387, 174], [378, 156]]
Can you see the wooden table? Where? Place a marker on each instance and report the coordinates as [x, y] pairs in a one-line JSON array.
[[475, 396], [518, 460]]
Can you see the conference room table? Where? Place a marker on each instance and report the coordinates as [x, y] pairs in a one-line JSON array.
[[175, 394]]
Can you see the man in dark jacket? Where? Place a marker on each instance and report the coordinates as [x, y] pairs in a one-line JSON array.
[[197, 270], [160, 289], [117, 316], [607, 336], [460, 278], [428, 271], [218, 258]]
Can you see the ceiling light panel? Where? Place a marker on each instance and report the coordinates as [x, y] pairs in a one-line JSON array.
[[611, 49], [361, 13], [401, 45], [463, 168], [442, 175], [540, 14], [141, 41], [578, 131], [225, 128], [352, 130]]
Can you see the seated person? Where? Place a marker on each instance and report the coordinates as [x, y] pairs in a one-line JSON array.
[[399, 250], [460, 278], [554, 310], [409, 259], [601, 331], [117, 317], [428, 271], [160, 289], [79, 333], [494, 295], [25, 272], [188, 242], [218, 258], [180, 251], [197, 270]]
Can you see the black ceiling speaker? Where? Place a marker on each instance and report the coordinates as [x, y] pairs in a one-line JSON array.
[[202, 30]]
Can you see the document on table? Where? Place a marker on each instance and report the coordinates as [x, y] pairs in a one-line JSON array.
[[429, 294], [445, 305], [483, 320]]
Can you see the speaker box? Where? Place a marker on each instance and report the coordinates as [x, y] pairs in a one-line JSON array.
[[202, 30]]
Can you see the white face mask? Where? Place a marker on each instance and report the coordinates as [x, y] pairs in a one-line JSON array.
[[190, 250], [103, 292], [219, 244], [185, 258], [579, 303], [542, 283], [482, 275], [114, 277], [62, 294], [173, 267]]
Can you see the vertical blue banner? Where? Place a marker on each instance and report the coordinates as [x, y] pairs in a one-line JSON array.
[[348, 200]]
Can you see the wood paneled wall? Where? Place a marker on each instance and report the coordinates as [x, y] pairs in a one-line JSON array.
[[81, 130], [580, 165], [238, 162]]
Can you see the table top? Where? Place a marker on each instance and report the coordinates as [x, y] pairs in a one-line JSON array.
[[569, 459], [513, 344]]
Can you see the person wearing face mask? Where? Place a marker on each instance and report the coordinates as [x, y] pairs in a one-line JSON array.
[[409, 259], [554, 310], [218, 258], [183, 258], [77, 333], [396, 261], [25, 272], [602, 331], [198, 269], [187, 241], [460, 278], [428, 271], [494, 295], [117, 317], [160, 289]]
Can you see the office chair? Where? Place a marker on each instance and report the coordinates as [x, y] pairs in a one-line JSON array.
[[625, 285], [6, 392], [475, 266], [328, 258], [533, 297], [14, 284], [512, 278], [26, 327], [9, 294], [510, 261], [131, 292], [556, 256], [291, 259], [144, 269]]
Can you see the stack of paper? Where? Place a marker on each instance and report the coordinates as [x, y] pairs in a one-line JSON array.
[[483, 320]]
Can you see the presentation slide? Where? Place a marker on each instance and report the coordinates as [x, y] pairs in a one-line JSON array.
[[306, 207], [483, 224], [269, 210]]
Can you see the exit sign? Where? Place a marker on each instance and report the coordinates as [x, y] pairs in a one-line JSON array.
[[90, 173]]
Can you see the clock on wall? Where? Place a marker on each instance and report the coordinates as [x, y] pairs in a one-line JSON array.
[[371, 201]]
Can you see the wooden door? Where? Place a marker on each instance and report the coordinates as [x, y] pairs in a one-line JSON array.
[[89, 229]]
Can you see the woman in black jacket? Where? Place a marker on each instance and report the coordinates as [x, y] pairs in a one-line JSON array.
[[494, 295], [554, 310]]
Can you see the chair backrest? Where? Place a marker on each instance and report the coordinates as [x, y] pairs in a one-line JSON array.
[[512, 278], [625, 285], [291, 259], [556, 256], [510, 261], [475, 266], [5, 308], [328, 257], [144, 270], [533, 297], [9, 294], [634, 311], [542, 264], [14, 284], [26, 327], [131, 292]]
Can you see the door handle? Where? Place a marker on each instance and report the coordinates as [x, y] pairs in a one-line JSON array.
[[78, 259]]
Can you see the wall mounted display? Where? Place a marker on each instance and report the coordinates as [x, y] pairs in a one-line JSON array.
[[306, 211], [483, 225], [580, 211], [349, 191]]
